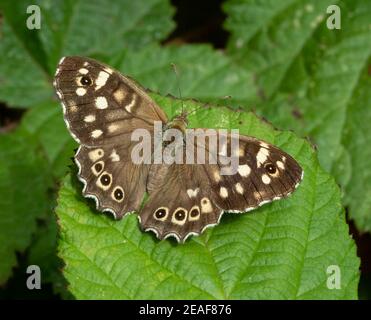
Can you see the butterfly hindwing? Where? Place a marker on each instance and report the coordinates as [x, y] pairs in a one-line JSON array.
[[181, 205], [264, 173], [109, 177]]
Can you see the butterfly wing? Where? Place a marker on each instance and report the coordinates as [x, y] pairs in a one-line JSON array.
[[101, 110], [202, 192]]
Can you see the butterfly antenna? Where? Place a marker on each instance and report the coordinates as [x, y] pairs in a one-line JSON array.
[[178, 84]]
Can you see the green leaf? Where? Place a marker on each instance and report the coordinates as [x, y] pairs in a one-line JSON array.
[[308, 75], [45, 123], [280, 251], [43, 253], [357, 135], [28, 58], [203, 73], [23, 189]]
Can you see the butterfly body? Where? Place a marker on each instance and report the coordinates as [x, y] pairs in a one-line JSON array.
[[109, 115]]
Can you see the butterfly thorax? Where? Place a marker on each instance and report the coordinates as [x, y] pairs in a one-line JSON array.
[[179, 122]]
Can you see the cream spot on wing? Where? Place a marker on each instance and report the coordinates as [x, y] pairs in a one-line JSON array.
[[179, 216], [86, 64], [223, 192], [257, 195], [264, 145], [130, 106], [83, 71], [206, 206], [101, 102], [280, 165], [193, 193], [283, 158], [216, 175], [101, 79], [119, 95], [244, 170], [96, 154], [114, 156], [241, 152], [113, 127], [72, 108], [266, 179], [59, 95], [239, 188], [96, 133], [89, 118], [262, 156], [80, 91]]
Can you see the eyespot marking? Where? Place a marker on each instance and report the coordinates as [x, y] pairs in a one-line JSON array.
[[104, 181], [161, 213], [97, 168], [118, 194], [179, 216], [194, 213]]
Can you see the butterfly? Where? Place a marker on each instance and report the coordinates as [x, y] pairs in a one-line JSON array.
[[102, 108]]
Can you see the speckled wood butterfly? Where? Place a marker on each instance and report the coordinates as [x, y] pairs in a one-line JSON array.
[[102, 109]]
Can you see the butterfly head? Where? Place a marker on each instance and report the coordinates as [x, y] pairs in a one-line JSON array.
[[180, 122]]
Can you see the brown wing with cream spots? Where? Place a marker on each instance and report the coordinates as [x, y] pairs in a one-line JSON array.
[[264, 173], [101, 110], [100, 105], [185, 199], [181, 203], [115, 183]]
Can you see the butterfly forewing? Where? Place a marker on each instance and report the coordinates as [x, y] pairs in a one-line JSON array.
[[101, 109]]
